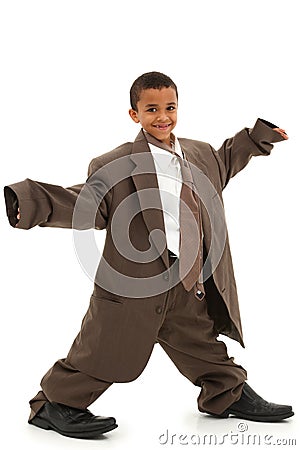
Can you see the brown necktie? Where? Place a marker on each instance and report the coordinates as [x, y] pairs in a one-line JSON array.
[[191, 234]]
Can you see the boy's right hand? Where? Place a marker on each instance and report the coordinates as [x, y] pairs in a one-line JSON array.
[[18, 216]]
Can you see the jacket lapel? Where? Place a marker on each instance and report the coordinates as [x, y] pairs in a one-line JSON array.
[[144, 177]]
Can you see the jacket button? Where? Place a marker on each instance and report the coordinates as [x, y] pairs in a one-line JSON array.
[[165, 276], [172, 306], [158, 309]]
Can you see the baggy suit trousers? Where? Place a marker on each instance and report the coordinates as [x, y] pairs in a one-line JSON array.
[[186, 334]]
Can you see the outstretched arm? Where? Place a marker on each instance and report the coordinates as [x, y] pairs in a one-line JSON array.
[[30, 203], [236, 152]]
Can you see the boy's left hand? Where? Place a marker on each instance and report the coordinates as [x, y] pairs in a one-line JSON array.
[[281, 132]]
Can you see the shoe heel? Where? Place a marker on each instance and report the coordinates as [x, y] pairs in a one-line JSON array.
[[224, 415], [40, 423]]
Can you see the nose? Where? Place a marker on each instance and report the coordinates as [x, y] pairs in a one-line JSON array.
[[162, 116]]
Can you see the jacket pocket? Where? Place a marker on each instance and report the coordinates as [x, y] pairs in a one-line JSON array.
[[110, 298]]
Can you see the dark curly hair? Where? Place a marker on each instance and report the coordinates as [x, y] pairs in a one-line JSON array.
[[149, 80]]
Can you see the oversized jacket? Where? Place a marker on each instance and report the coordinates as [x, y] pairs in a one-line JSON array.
[[50, 205]]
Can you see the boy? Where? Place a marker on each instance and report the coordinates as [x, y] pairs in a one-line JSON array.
[[187, 302]]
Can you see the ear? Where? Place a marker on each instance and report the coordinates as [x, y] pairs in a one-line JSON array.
[[134, 115]]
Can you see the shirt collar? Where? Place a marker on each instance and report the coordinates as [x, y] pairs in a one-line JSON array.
[[174, 141]]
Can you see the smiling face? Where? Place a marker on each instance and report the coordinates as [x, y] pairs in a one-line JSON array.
[[157, 112]]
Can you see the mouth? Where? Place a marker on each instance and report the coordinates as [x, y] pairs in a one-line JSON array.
[[162, 126]]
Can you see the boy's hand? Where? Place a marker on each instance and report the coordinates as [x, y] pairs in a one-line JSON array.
[[281, 132], [18, 216]]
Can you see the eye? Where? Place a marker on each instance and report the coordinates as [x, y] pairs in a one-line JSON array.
[[152, 110], [171, 108]]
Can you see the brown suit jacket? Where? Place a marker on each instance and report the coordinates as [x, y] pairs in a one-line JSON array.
[[128, 325]]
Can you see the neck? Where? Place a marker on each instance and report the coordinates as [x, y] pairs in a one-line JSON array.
[[153, 140]]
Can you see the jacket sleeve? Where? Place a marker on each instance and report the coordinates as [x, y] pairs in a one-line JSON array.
[[236, 152], [81, 206]]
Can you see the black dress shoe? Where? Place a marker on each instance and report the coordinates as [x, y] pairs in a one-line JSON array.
[[252, 407], [72, 422]]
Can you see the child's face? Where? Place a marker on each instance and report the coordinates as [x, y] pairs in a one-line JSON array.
[[157, 112]]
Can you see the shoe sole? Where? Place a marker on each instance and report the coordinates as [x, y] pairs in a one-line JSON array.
[[41, 423], [253, 417]]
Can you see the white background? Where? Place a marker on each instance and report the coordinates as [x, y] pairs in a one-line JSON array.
[[66, 70]]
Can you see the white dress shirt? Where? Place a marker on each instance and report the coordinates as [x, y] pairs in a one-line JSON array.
[[169, 179]]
